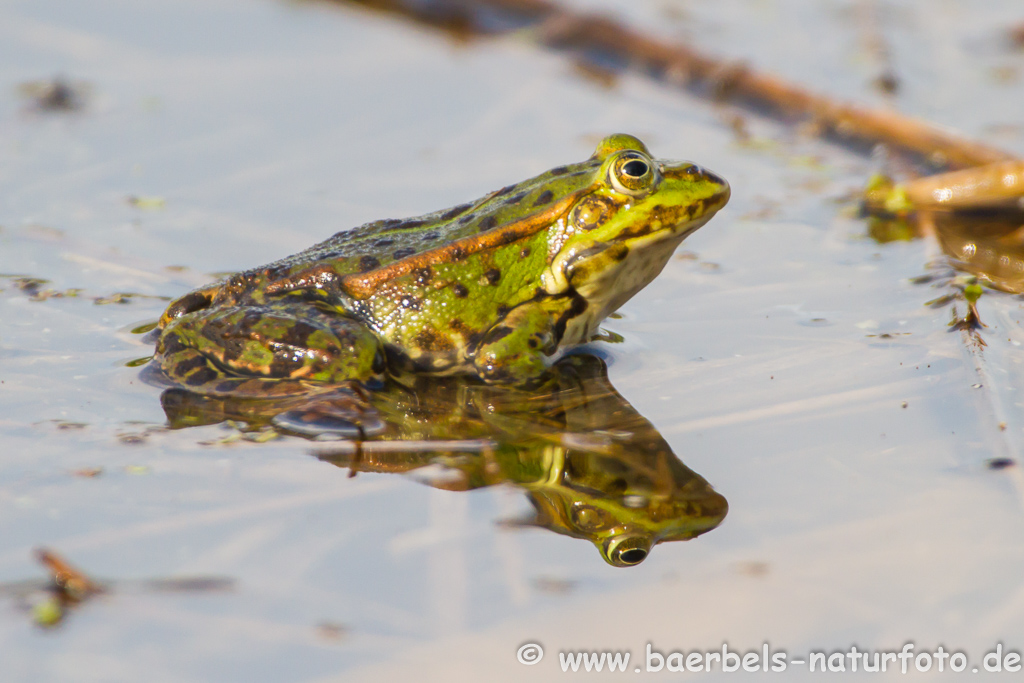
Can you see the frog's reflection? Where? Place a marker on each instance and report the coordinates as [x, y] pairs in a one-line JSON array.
[[592, 467]]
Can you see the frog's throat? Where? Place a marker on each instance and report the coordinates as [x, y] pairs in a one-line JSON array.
[[364, 285]]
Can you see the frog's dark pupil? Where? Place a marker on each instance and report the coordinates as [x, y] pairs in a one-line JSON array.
[[634, 168], [633, 556]]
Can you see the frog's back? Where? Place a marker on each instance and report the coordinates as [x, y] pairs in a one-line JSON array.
[[380, 243]]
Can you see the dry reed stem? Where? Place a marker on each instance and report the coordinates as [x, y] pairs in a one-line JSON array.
[[563, 28]]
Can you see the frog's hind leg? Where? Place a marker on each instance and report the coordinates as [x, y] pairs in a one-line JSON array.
[[269, 344], [309, 408], [202, 374]]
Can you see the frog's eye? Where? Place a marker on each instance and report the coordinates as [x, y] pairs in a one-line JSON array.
[[632, 174], [634, 168]]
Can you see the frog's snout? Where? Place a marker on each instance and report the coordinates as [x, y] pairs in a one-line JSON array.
[[721, 191], [712, 177], [705, 188]]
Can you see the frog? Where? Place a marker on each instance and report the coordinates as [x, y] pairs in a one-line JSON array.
[[495, 288]]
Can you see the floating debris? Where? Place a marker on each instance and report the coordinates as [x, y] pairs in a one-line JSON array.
[[753, 569], [56, 94], [67, 587], [126, 297], [147, 203], [88, 472], [116, 298], [331, 630], [64, 424], [554, 586]]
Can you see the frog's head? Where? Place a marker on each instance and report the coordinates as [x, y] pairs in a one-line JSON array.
[[618, 235], [624, 492], [624, 528]]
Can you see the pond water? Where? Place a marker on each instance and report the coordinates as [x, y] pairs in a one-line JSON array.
[[784, 357]]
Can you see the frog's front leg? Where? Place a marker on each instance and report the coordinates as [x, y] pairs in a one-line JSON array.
[[514, 349]]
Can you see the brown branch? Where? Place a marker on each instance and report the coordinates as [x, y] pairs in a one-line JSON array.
[[565, 29]]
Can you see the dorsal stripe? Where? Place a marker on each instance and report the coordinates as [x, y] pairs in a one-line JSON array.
[[364, 285]]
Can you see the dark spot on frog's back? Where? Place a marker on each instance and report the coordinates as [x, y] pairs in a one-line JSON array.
[[488, 222], [407, 225], [510, 236], [460, 290], [384, 242], [368, 263], [402, 253], [504, 191], [231, 351], [298, 334], [455, 211], [559, 170], [424, 275], [545, 197], [493, 276], [457, 253]]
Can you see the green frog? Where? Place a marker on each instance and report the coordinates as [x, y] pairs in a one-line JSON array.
[[493, 288]]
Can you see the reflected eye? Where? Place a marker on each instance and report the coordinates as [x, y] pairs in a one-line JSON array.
[[627, 550], [632, 173], [632, 556]]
